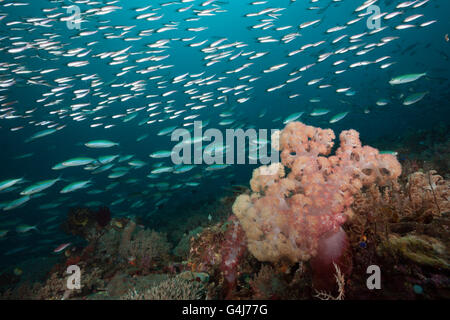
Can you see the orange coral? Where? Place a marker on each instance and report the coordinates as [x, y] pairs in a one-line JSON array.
[[287, 215]]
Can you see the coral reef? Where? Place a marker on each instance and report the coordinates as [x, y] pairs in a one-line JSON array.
[[422, 198], [402, 229], [131, 244], [184, 245], [267, 284], [220, 251], [84, 222], [146, 249], [424, 148], [232, 250], [175, 288], [307, 229], [108, 244], [297, 208], [181, 220]]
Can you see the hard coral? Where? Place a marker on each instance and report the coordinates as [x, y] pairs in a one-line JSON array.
[[291, 216], [219, 251], [175, 288], [148, 248], [143, 248]]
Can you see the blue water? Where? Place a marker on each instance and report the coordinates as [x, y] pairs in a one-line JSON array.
[[417, 50]]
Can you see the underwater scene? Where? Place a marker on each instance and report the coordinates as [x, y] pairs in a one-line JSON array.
[[224, 150]]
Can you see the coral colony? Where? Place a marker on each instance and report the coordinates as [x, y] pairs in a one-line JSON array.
[[296, 213], [308, 228]]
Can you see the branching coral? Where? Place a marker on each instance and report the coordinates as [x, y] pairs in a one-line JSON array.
[[142, 248], [298, 207], [138, 247], [148, 247], [174, 288]]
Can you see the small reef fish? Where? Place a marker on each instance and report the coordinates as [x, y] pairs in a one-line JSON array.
[[25, 228], [413, 98], [39, 186], [62, 247], [9, 183], [41, 134], [406, 78], [100, 144], [319, 112], [161, 154], [74, 186], [338, 117], [293, 117], [16, 203], [74, 162]]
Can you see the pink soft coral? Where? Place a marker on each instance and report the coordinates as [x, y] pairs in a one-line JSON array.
[[293, 217]]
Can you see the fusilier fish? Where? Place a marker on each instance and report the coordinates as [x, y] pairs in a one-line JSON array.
[[406, 78], [39, 186], [9, 183], [100, 144], [74, 186]]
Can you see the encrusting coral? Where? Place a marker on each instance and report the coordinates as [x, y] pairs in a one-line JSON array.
[[296, 208]]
